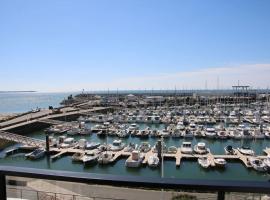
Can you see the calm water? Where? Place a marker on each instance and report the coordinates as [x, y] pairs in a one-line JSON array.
[[189, 169], [23, 102]]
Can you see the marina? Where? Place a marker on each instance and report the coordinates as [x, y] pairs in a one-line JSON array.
[[209, 138]]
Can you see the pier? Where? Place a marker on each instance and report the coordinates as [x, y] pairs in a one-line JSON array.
[[178, 156]]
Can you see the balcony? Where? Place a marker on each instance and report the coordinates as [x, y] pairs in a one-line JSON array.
[[38, 184]]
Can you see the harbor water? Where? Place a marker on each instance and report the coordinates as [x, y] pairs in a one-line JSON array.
[[189, 169]]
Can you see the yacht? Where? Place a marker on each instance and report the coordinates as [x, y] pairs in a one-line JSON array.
[[122, 133], [36, 154], [186, 148], [220, 162], [144, 147], [153, 160], [76, 157], [135, 159], [222, 134], [229, 150], [257, 164], [172, 150], [105, 158], [200, 148], [210, 133], [130, 147], [204, 162], [187, 134], [117, 145], [92, 145], [246, 151], [90, 158], [68, 142]]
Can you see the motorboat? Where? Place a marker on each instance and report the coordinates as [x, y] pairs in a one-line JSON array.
[[220, 162], [267, 162], [144, 147], [210, 133], [77, 156], [222, 134], [74, 131], [135, 159], [131, 147], [92, 145], [246, 151], [186, 148], [200, 148], [105, 158], [187, 134], [172, 150], [153, 160], [257, 164], [117, 145], [204, 162], [36, 154], [90, 158], [68, 142], [164, 133], [229, 150], [122, 133], [164, 148]]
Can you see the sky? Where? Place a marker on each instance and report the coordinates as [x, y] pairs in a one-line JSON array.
[[64, 45]]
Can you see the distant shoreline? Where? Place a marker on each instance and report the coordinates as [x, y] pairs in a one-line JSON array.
[[16, 91]]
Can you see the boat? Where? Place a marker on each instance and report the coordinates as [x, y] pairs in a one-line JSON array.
[[117, 145], [130, 147], [257, 164], [135, 159], [144, 147], [122, 133], [36, 154], [105, 158], [187, 134], [204, 162], [222, 134], [246, 151], [153, 160], [210, 133], [172, 150], [229, 150], [220, 162], [133, 127], [200, 148], [92, 145], [67, 143], [164, 133], [164, 148], [73, 131], [267, 162], [186, 148], [77, 156], [90, 158]]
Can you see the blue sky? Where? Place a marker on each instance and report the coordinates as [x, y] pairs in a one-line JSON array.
[[68, 45]]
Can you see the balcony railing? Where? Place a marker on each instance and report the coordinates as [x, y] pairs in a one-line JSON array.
[[214, 188]]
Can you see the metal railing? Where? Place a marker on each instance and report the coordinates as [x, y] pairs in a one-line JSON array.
[[218, 186]]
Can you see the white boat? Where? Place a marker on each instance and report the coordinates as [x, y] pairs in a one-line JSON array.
[[204, 162], [257, 164], [77, 156], [133, 127], [131, 147], [164, 133], [222, 134], [92, 145], [144, 147], [90, 158], [220, 162], [210, 133], [105, 158], [122, 133], [187, 134], [267, 162], [155, 119], [153, 160], [172, 150], [246, 151], [36, 154], [200, 148], [68, 142], [117, 145], [73, 131], [186, 148], [135, 159], [229, 150]]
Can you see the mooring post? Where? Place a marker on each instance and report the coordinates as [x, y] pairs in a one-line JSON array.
[[47, 144], [159, 146]]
